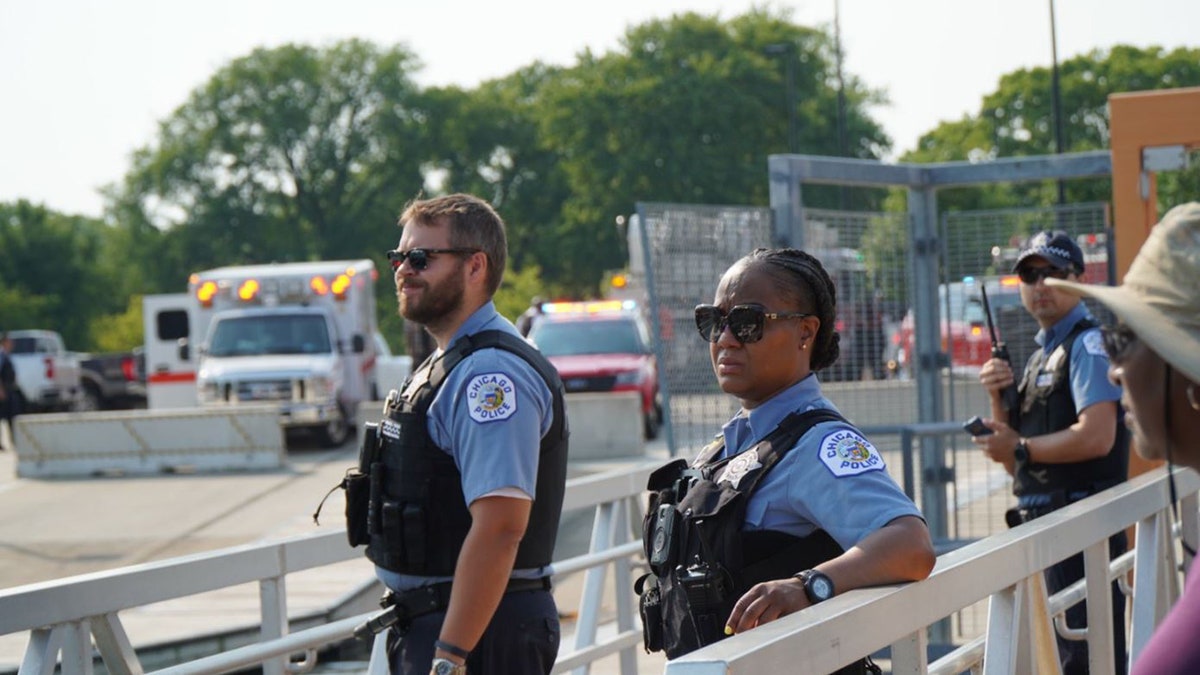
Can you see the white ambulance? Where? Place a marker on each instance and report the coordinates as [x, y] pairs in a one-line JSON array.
[[300, 335]]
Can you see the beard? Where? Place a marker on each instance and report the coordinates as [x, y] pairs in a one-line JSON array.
[[434, 303]]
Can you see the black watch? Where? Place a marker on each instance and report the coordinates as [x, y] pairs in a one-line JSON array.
[[1021, 452], [817, 585]]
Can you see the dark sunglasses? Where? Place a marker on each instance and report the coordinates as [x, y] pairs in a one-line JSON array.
[[1031, 275], [418, 258], [1117, 341], [746, 321]]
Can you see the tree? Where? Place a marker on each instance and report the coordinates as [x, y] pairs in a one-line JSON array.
[[291, 153]]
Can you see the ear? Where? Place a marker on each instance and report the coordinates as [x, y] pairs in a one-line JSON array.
[[809, 326], [477, 266]]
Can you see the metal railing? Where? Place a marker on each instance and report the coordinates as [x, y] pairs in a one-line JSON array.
[[1005, 569], [65, 616]]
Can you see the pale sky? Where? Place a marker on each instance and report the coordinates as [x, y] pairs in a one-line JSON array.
[[83, 83]]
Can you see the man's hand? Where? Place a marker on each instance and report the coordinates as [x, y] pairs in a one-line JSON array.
[[998, 446], [766, 602], [995, 376]]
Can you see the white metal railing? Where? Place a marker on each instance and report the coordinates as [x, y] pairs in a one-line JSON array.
[[65, 616], [1006, 569]]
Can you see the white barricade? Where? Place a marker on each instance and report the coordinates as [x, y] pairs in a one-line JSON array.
[[143, 441]]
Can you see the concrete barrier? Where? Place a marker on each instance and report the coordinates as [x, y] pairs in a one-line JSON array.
[[603, 425], [149, 441]]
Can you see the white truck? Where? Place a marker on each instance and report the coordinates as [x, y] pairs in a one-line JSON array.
[[299, 335], [47, 374]]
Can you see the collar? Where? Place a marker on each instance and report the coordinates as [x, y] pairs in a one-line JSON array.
[[1050, 338], [484, 318], [750, 426]]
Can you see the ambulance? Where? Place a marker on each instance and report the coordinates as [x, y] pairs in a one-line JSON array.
[[298, 335]]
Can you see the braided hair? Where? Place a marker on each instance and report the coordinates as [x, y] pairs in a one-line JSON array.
[[801, 278]]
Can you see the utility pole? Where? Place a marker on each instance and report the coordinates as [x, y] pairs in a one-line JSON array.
[[788, 51], [843, 146], [1056, 100]]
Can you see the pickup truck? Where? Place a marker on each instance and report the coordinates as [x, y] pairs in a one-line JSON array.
[[113, 381], [47, 374]]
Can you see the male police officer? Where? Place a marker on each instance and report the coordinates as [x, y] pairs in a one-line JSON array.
[[1063, 440], [469, 502]]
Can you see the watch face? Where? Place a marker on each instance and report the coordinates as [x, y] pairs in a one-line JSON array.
[[821, 587], [444, 667]]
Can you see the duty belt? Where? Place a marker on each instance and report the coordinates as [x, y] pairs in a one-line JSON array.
[[402, 608]]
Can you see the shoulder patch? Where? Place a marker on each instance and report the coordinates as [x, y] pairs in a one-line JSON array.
[[1093, 342], [846, 453], [491, 397]]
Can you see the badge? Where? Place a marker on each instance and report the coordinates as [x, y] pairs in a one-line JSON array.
[[847, 453], [389, 428], [1093, 342], [1044, 380], [491, 397], [739, 466]]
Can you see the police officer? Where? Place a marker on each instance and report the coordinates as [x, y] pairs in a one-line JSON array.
[[473, 519], [1063, 439], [822, 515]]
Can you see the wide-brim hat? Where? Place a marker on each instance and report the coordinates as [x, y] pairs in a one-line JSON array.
[[1158, 298]]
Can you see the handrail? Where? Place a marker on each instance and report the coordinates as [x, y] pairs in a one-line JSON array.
[[63, 615], [1005, 568]]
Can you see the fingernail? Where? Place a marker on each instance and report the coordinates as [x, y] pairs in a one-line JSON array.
[[728, 630]]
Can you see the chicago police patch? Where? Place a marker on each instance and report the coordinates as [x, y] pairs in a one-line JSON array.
[[491, 397], [1093, 342], [846, 453]]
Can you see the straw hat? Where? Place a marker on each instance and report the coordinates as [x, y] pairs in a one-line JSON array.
[[1160, 298]]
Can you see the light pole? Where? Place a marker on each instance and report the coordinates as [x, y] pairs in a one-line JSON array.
[[1055, 100], [843, 148], [788, 51]]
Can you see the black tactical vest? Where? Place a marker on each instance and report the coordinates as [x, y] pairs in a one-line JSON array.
[[1047, 406], [701, 559], [417, 515]]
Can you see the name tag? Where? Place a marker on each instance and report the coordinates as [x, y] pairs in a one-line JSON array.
[[1044, 379]]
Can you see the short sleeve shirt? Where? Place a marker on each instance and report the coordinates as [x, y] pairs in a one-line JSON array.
[[832, 479], [489, 415], [1088, 360]]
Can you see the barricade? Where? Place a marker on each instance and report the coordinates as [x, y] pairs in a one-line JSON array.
[[143, 442]]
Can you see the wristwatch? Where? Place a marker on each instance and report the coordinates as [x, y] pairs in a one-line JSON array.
[[817, 585], [447, 667], [1021, 452]]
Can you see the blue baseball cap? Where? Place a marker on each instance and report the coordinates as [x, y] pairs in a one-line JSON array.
[[1056, 248]]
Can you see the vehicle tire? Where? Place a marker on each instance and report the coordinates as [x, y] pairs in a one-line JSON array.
[[88, 401], [652, 422], [335, 433]]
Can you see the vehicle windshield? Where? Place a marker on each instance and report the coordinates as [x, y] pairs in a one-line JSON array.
[[558, 338], [281, 334]]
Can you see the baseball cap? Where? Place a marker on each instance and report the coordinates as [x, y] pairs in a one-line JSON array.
[[1158, 298], [1056, 248]]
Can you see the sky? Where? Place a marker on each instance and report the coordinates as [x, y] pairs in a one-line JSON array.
[[84, 83]]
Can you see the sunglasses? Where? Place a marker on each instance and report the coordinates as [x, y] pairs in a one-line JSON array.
[[1117, 341], [1031, 275], [745, 321], [418, 258]]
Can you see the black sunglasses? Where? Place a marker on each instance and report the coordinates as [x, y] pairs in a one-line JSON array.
[[1117, 341], [1031, 275], [746, 321], [418, 258]]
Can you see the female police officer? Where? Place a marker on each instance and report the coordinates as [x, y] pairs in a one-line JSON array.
[[791, 504]]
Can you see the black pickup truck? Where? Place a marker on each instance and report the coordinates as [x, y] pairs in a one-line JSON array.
[[113, 381]]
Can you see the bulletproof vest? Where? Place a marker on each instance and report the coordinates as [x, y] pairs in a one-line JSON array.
[[701, 558], [1048, 406], [417, 515]]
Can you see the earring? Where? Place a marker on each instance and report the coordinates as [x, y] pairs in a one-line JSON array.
[[1191, 397]]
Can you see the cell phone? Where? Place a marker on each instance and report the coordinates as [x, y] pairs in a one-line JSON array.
[[976, 427]]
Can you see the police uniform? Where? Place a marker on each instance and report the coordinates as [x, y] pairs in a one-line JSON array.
[[491, 415], [1068, 374], [812, 486]]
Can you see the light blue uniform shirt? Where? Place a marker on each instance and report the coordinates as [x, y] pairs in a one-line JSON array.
[[495, 440], [1088, 361], [832, 479]]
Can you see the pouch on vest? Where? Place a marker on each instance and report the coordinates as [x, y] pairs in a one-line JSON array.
[[356, 486]]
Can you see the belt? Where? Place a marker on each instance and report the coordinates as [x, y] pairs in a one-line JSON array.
[[401, 608]]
